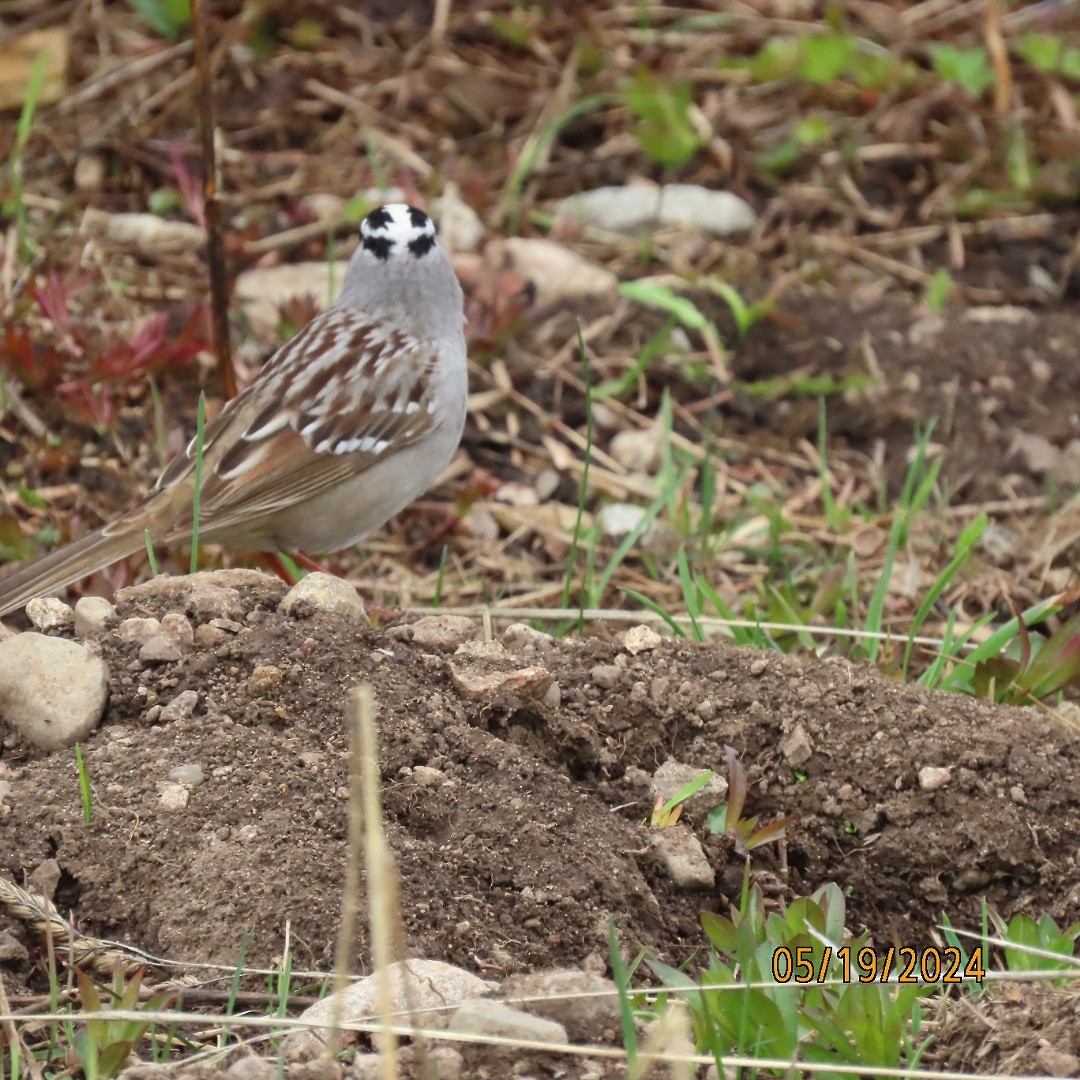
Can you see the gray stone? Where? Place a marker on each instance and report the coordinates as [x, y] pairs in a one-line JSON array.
[[672, 776], [191, 776], [251, 1068], [682, 857], [482, 1017], [606, 676], [437, 631], [933, 777], [179, 589], [642, 208], [177, 629], [557, 273], [49, 614], [180, 708], [637, 450], [12, 950], [52, 691], [521, 637], [797, 747], [208, 601], [172, 795], [137, 629], [584, 1002], [326, 594], [92, 614], [639, 639], [460, 227], [159, 650], [419, 984]]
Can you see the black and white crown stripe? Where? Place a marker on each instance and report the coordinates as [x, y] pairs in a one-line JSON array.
[[397, 227]]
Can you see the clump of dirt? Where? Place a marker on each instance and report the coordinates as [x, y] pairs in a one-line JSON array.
[[514, 812]]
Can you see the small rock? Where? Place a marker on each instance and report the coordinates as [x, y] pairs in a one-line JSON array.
[[177, 629], [1037, 452], [92, 614], [179, 590], [639, 639], [263, 679], [208, 601], [480, 686], [460, 227], [45, 878], [191, 776], [207, 635], [180, 708], [1008, 314], [635, 450], [52, 690], [682, 857], [251, 1068], [436, 631], [618, 520], [557, 273], [89, 173], [513, 493], [144, 233], [262, 290], [553, 696], [641, 209], [140, 630], [672, 776], [1017, 794], [483, 650], [796, 747], [1055, 1061], [932, 777], [605, 675], [370, 1067], [546, 483], [584, 1002], [426, 776], [482, 1017], [159, 650], [172, 796], [325, 594], [446, 1062], [521, 637], [429, 986], [49, 614], [323, 206], [12, 950]]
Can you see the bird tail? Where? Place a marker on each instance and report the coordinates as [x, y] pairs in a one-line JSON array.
[[73, 561]]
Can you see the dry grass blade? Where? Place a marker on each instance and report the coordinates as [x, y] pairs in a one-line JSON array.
[[41, 916]]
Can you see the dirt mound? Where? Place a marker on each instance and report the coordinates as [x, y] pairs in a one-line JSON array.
[[514, 804]]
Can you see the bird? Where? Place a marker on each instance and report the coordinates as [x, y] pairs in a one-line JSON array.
[[344, 426]]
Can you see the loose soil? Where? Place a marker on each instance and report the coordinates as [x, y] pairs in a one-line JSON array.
[[528, 839]]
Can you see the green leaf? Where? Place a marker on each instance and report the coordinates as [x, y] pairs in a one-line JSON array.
[[169, 18], [826, 57], [970, 68]]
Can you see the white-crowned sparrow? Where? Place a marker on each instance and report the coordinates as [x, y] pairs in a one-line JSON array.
[[342, 428]]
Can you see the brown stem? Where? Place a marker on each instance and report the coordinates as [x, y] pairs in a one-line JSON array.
[[219, 297]]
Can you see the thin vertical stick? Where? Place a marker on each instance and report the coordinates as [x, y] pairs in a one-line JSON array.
[[350, 893], [381, 879], [219, 297]]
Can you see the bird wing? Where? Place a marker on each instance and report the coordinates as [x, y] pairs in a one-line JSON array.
[[342, 395]]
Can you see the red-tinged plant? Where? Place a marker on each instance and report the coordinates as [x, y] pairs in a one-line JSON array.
[[1039, 673], [727, 817], [191, 189], [86, 366]]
